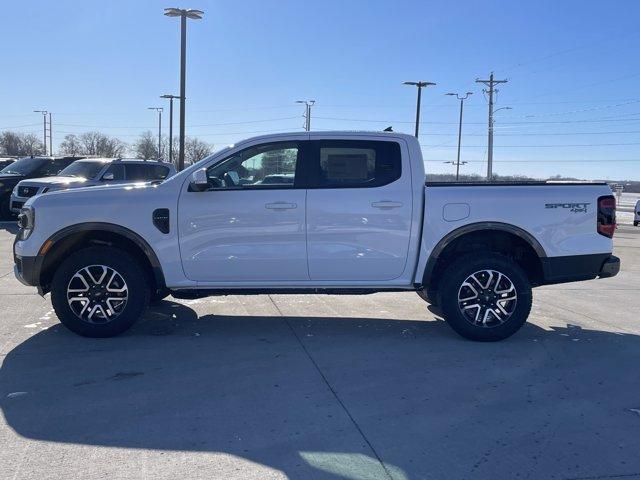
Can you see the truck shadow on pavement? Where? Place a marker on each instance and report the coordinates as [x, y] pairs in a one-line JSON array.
[[326, 397], [10, 226]]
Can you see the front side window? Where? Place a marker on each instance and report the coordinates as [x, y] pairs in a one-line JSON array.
[[355, 163], [117, 170], [263, 166]]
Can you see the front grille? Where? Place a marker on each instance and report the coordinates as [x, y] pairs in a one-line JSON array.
[[27, 191]]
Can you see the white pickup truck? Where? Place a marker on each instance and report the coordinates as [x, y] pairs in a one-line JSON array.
[[326, 212]]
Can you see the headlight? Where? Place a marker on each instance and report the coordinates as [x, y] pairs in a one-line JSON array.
[[26, 222]]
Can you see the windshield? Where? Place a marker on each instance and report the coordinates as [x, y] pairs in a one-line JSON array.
[[24, 166], [82, 169]]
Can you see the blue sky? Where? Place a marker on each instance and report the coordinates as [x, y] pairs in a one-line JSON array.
[[572, 67]]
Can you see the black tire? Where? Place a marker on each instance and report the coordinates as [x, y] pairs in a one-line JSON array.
[[473, 328], [157, 297], [137, 290], [635, 224], [428, 296]]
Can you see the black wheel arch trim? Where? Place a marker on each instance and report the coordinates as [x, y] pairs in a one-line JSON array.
[[156, 267], [476, 227]]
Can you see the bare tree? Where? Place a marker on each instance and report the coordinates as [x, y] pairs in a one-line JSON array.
[[99, 144], [146, 147], [71, 145], [20, 144], [195, 150]]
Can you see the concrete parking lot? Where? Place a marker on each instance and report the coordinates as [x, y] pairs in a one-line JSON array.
[[325, 387]]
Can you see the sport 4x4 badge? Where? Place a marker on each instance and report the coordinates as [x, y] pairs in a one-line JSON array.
[[573, 207]]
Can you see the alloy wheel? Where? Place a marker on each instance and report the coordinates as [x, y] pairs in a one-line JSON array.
[[487, 298], [97, 294]]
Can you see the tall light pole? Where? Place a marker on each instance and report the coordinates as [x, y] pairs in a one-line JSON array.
[[420, 86], [183, 14], [462, 99], [170, 97], [159, 110], [44, 129], [307, 113]]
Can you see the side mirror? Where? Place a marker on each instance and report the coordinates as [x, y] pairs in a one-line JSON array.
[[107, 177], [199, 181]]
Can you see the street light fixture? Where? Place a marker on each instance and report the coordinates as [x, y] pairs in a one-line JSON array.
[[159, 110], [44, 130], [183, 14], [420, 86], [462, 99], [170, 97], [307, 113]]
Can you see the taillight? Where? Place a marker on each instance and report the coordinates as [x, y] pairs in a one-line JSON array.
[[607, 216]]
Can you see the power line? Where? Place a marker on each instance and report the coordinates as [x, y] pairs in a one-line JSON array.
[[483, 123], [547, 161], [544, 146]]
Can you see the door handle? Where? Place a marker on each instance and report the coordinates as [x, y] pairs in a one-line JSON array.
[[386, 204], [280, 206]]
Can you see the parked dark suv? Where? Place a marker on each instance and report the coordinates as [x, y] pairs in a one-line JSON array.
[[27, 167]]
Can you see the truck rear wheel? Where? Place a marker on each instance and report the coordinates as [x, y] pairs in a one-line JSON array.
[[99, 292], [485, 297]]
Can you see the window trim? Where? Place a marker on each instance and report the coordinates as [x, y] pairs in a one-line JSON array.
[[313, 167], [299, 180]]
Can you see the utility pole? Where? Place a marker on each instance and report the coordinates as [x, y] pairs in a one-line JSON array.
[[491, 84], [307, 113], [159, 110], [50, 135], [170, 97], [420, 86], [462, 99], [44, 128]]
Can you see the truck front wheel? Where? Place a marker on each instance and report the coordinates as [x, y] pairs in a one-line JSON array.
[[99, 292], [485, 297]]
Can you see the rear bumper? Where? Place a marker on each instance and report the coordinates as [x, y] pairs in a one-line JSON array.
[[575, 268], [610, 267]]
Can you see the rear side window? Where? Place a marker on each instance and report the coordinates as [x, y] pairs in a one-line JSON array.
[[146, 173], [355, 164]]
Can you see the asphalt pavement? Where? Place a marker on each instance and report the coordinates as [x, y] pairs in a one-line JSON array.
[[325, 387]]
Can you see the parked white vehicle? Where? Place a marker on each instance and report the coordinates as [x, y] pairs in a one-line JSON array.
[[90, 172], [352, 214]]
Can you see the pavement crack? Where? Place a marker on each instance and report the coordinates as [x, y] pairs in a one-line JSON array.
[[332, 390]]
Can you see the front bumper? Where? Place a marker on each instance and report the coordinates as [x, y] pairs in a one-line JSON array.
[[17, 203], [27, 269]]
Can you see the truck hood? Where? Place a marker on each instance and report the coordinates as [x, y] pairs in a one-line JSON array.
[[99, 198]]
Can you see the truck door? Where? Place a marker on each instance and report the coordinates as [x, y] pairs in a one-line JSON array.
[[359, 210], [249, 226]]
